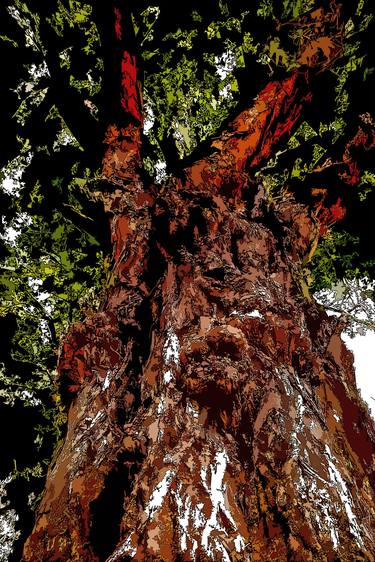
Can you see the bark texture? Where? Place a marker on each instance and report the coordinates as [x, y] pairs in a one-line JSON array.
[[214, 413]]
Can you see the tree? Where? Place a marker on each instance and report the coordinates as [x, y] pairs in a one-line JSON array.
[[212, 411]]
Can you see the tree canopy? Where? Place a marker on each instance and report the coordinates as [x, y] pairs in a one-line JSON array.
[[201, 63]]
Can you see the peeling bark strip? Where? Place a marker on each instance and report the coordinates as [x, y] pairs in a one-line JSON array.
[[214, 413]]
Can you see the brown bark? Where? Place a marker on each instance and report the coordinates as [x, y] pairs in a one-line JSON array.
[[244, 415], [214, 411]]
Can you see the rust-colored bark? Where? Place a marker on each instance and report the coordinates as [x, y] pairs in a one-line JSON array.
[[214, 413]]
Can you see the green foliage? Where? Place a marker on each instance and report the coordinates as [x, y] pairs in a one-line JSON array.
[[75, 17], [191, 90], [51, 270], [366, 185], [335, 259], [293, 9]]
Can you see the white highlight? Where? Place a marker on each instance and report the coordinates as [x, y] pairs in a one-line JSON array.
[[171, 351], [12, 185], [168, 376], [156, 498], [239, 543], [183, 509], [12, 232], [363, 348], [317, 492], [160, 171], [220, 548], [124, 548], [323, 502], [199, 519], [64, 138], [283, 374], [332, 313], [191, 410], [107, 380], [93, 421], [8, 520], [225, 92], [225, 64], [300, 408], [329, 521], [339, 483], [216, 492], [161, 406], [149, 119], [35, 284], [253, 314], [30, 397]]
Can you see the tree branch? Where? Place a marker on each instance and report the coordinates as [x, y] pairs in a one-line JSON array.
[[122, 97], [70, 103], [250, 137]]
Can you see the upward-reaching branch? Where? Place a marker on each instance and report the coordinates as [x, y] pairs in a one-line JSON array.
[[251, 137], [121, 98], [254, 133], [122, 158], [69, 101]]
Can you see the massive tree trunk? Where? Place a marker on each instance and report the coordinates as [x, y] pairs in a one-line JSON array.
[[214, 413]]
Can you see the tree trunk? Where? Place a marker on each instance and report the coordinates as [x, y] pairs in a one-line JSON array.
[[214, 413]]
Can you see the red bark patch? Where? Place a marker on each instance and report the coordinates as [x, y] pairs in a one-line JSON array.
[[118, 26], [130, 99]]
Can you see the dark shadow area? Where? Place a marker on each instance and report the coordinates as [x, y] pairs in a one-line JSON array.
[[107, 510]]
